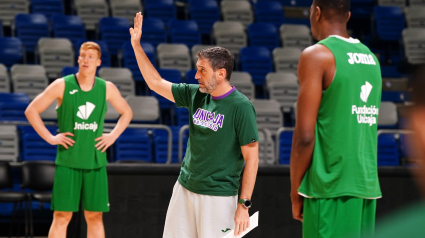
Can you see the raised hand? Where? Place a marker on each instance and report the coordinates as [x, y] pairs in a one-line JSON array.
[[136, 32], [62, 139]]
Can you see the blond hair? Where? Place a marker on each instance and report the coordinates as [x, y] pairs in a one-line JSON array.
[[90, 45]]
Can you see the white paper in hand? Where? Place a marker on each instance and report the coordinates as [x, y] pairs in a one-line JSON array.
[[253, 222]]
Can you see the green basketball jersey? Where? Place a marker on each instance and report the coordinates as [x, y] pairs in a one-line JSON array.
[[344, 160], [82, 113]]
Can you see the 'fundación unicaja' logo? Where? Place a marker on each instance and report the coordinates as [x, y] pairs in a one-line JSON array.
[[84, 113], [365, 115]]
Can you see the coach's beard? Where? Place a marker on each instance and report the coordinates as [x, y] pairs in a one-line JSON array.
[[210, 86]]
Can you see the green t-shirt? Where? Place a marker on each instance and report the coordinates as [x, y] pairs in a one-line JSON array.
[[82, 113], [217, 129], [409, 222], [344, 160]]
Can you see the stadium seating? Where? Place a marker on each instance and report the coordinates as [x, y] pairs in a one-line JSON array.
[[269, 114], [11, 51], [163, 9], [182, 116], [415, 16], [105, 58], [47, 7], [161, 144], [205, 13], [70, 27], [263, 34], [388, 151], [154, 31], [12, 106], [145, 108], [171, 75], [115, 32], [230, 35], [34, 147], [121, 77], [130, 62], [283, 87], [388, 22], [190, 77], [417, 2], [184, 32], [133, 144], [387, 115], [30, 28], [125, 8], [398, 3], [9, 143], [243, 83], [91, 11], [269, 12], [9, 9], [285, 146], [256, 61], [293, 35], [50, 113], [29, 79], [286, 59], [69, 70], [414, 42], [266, 150], [174, 56], [55, 53], [4, 79], [239, 11], [362, 8]]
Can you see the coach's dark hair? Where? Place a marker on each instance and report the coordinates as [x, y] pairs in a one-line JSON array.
[[219, 58], [334, 9]]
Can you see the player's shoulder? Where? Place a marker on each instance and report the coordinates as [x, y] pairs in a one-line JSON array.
[[58, 83], [317, 52]]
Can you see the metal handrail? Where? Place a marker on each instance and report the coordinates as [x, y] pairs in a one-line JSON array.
[[394, 131], [181, 133], [153, 126], [278, 133]]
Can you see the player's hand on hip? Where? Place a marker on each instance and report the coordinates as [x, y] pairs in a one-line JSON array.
[[241, 219], [62, 139], [136, 32], [105, 141], [297, 206]]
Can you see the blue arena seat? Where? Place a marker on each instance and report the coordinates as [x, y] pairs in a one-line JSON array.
[[161, 144], [184, 32], [47, 7], [30, 28], [134, 144], [130, 62], [34, 147], [182, 116], [154, 31], [269, 12], [263, 34], [285, 145], [293, 3], [388, 151], [114, 31], [256, 61], [389, 22], [106, 58], [361, 8], [395, 96], [190, 77], [205, 13], [12, 106], [69, 70], [70, 27], [11, 51], [163, 9]]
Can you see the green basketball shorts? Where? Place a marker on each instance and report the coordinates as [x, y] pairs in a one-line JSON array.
[[91, 185], [342, 217]]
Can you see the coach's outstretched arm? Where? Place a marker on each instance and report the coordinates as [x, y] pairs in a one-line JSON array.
[[151, 76]]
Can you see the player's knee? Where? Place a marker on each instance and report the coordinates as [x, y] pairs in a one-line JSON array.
[[62, 218], [93, 217]]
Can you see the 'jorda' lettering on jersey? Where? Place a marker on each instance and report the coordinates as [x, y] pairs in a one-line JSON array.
[[86, 126], [208, 119], [360, 58], [365, 115]]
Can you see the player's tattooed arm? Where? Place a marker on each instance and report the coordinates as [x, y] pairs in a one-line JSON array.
[[150, 74]]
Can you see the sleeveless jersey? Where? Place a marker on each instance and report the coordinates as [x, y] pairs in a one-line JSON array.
[[82, 113], [344, 160]]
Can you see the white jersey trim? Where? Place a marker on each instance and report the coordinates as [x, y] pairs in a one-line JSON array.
[[349, 40], [302, 194]]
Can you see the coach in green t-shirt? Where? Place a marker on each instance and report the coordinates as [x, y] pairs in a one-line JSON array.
[[222, 136]]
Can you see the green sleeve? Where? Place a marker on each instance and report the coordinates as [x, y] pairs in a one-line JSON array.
[[183, 94], [246, 124]]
